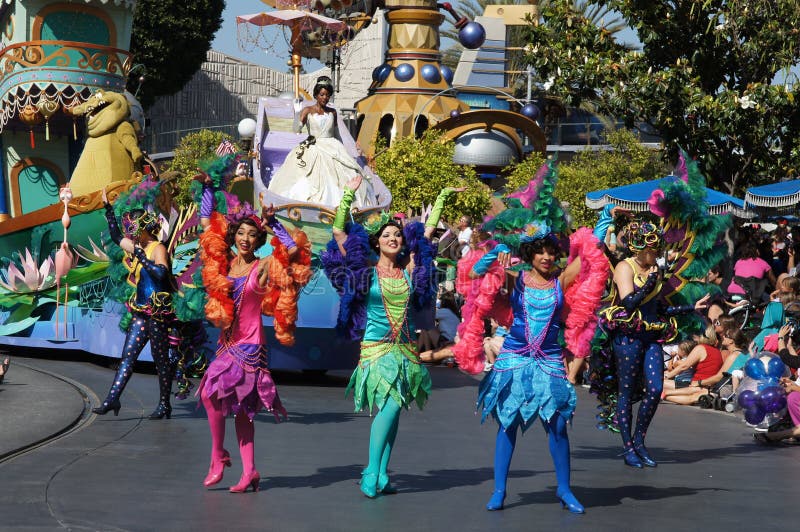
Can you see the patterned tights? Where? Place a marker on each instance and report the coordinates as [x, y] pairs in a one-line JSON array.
[[141, 330], [636, 357]]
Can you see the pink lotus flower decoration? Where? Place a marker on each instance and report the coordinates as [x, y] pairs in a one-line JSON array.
[[96, 254], [31, 278]]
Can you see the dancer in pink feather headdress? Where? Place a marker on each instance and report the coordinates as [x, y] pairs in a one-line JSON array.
[[529, 379]]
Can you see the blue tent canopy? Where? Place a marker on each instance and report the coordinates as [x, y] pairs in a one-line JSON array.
[[634, 198], [785, 194]]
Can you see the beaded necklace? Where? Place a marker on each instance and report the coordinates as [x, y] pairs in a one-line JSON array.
[[395, 294], [532, 283]]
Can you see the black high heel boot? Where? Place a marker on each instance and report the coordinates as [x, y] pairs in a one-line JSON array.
[[166, 371], [161, 411], [106, 407]]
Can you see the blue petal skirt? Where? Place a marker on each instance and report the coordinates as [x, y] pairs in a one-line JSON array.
[[523, 391]]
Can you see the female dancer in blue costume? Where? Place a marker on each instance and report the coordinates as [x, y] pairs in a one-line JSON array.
[[375, 299], [151, 305], [528, 379], [639, 322]]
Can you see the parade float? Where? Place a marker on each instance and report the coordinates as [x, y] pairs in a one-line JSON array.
[[67, 132]]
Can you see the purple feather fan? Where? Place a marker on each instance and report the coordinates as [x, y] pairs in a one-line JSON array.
[[422, 278], [350, 275]]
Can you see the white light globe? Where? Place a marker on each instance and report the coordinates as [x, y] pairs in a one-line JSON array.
[[247, 128]]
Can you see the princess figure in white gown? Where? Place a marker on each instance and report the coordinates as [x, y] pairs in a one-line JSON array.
[[317, 170]]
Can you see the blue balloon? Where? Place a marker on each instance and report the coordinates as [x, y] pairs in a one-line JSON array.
[[404, 72], [768, 396], [747, 399], [430, 73], [447, 73], [472, 35], [754, 369], [778, 405], [775, 368], [754, 415]]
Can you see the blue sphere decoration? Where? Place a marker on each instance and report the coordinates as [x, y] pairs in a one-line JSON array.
[[404, 72], [447, 73], [430, 73], [530, 110], [472, 35], [455, 113], [382, 72]]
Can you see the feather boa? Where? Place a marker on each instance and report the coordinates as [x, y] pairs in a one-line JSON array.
[[214, 253], [583, 296], [350, 276], [422, 278], [487, 302], [288, 274]]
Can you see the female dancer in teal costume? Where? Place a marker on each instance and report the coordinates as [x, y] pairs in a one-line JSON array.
[[375, 299], [529, 379]]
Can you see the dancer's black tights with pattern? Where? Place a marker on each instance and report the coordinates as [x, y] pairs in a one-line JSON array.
[[142, 329], [637, 358]]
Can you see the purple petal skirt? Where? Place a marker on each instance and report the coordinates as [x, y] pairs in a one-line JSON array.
[[240, 380]]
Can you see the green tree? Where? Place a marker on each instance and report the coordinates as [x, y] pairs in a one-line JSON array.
[[626, 162], [705, 78], [416, 170], [170, 39], [192, 150]]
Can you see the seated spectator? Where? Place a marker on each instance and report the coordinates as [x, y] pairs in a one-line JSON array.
[[787, 291], [493, 343], [753, 272], [4, 369], [735, 342], [788, 354], [716, 277], [705, 359], [684, 378]]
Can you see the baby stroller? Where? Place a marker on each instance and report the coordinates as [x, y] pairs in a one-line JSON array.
[[721, 396]]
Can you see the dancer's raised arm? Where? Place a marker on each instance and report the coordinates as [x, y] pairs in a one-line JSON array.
[[343, 211], [438, 207]]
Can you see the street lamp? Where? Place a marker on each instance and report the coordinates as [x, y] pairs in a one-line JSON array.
[[247, 131]]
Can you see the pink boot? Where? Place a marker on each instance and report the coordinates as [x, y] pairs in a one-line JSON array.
[[245, 433], [220, 458]]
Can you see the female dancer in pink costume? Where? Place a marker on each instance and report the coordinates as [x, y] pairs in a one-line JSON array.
[[240, 287]]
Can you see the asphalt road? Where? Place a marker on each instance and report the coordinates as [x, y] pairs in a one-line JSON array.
[[130, 473]]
